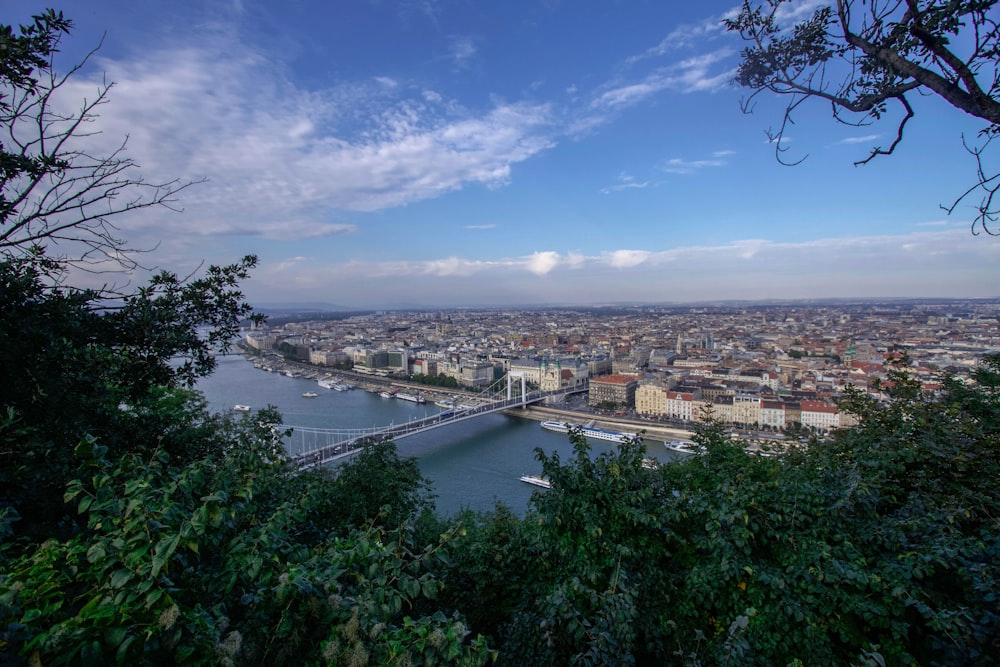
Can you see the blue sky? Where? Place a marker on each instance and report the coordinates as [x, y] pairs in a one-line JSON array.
[[471, 153]]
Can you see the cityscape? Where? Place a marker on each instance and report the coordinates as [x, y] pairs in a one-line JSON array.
[[767, 367]]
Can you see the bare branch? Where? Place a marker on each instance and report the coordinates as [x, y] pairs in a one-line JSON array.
[[860, 55]]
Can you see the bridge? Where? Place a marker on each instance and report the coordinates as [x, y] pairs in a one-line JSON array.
[[316, 446]]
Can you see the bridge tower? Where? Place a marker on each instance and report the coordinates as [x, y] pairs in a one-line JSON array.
[[524, 387]]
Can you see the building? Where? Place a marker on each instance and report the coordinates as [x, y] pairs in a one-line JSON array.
[[617, 390], [681, 405], [820, 415], [651, 399]]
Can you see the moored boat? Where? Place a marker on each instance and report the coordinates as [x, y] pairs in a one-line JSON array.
[[241, 408], [537, 481], [309, 394], [683, 447], [413, 398], [589, 431], [558, 427]]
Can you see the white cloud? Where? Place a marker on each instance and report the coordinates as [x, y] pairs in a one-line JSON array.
[[684, 36], [282, 162], [480, 226], [679, 166], [860, 140], [627, 259], [698, 73], [626, 181], [542, 263]]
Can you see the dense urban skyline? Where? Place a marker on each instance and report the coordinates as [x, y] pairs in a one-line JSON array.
[[449, 154]]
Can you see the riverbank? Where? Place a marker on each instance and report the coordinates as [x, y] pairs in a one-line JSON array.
[[655, 432]]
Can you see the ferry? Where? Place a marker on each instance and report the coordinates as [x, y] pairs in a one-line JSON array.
[[326, 384], [589, 431], [683, 447], [241, 408], [537, 481], [387, 394], [310, 394], [413, 398]]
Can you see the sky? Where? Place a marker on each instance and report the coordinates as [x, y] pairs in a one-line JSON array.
[[463, 153]]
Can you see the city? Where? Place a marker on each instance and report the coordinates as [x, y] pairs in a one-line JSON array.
[[767, 367]]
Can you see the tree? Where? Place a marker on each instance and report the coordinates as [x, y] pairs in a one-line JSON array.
[[863, 56], [53, 192]]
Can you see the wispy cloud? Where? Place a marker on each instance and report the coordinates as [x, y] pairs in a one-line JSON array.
[[282, 160], [625, 182], [491, 226], [684, 36], [697, 73], [463, 49], [860, 140], [681, 166]]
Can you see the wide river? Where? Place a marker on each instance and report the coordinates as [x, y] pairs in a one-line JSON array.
[[471, 464]]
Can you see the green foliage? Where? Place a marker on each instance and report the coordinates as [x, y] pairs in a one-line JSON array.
[[439, 380], [221, 559], [76, 366], [878, 546]]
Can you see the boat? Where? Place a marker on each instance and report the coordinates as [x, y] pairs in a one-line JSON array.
[[310, 394], [342, 386], [683, 447], [386, 394], [326, 384], [589, 431], [558, 427], [241, 408], [537, 481], [413, 398]]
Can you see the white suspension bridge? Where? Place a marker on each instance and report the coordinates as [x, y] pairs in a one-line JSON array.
[[316, 446]]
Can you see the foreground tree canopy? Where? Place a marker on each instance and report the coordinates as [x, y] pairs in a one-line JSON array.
[[865, 56], [138, 528]]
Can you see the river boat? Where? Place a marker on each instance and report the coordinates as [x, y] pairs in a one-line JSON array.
[[386, 394], [683, 447], [558, 427], [537, 481], [309, 394], [589, 431], [413, 398], [326, 383], [241, 408], [342, 386]]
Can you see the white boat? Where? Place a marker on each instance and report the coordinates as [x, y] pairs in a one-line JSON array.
[[241, 408], [589, 431], [342, 386], [558, 427], [310, 394], [413, 398], [683, 447], [326, 384], [386, 394], [537, 481]]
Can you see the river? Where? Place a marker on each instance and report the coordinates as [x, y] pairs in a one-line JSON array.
[[471, 464]]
